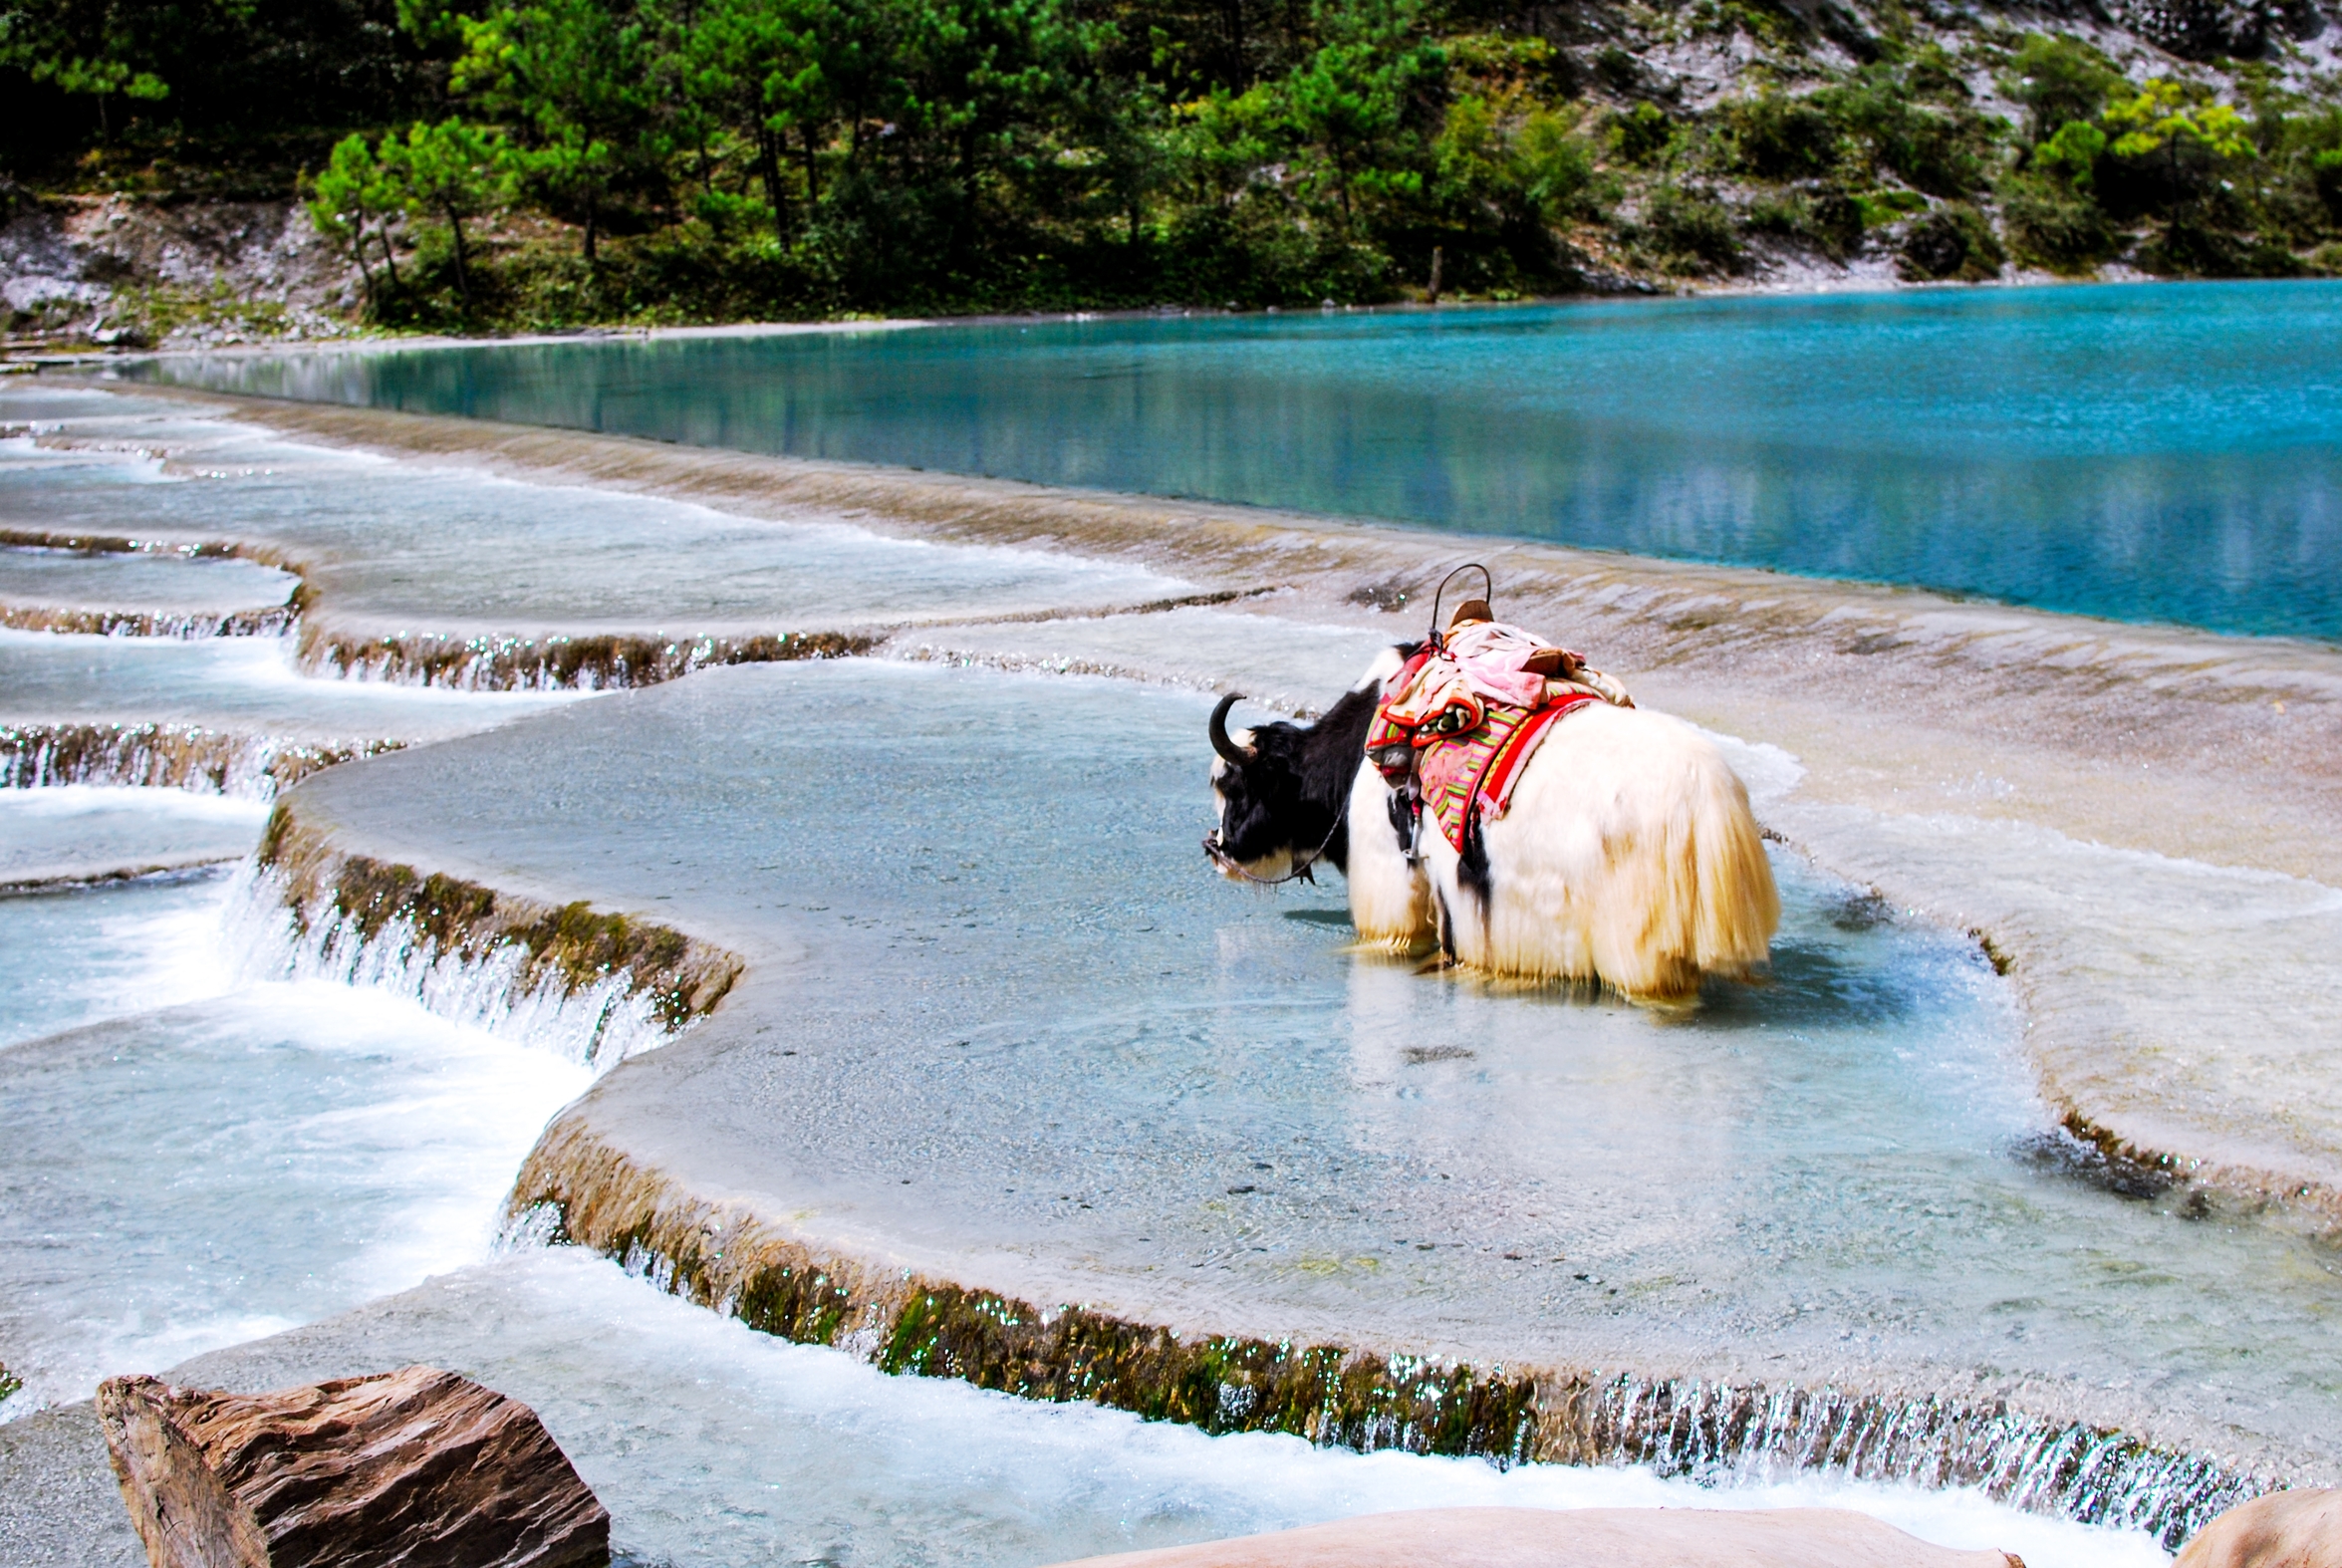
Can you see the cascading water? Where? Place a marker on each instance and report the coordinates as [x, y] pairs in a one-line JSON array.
[[195, 1158], [163, 756], [1721, 1433], [983, 1013], [596, 1026]]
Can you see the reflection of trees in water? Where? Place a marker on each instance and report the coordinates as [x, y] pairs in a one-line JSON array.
[[2159, 458]]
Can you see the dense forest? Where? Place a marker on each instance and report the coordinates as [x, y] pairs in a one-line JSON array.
[[545, 162]]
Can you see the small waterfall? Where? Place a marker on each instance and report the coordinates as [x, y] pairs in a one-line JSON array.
[[577, 1188], [498, 986], [164, 757], [182, 627], [1719, 1430], [553, 664]]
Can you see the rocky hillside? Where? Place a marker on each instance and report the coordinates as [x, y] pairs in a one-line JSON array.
[[115, 269], [1161, 152]]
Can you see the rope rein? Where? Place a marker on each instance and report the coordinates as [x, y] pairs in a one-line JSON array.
[[1300, 872]]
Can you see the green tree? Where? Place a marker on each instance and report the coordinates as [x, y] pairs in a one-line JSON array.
[[771, 70], [2175, 117], [1778, 136], [2176, 129], [1349, 100], [1937, 150], [2059, 80], [451, 171], [977, 89], [99, 49], [576, 73], [2071, 154], [354, 196]]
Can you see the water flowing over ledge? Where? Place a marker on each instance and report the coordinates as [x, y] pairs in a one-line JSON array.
[[590, 987], [1896, 705], [118, 544], [274, 622], [609, 661], [583, 662], [166, 756], [577, 1188]]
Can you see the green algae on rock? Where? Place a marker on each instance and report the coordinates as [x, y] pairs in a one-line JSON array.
[[590, 663], [165, 757], [340, 896], [578, 1189]]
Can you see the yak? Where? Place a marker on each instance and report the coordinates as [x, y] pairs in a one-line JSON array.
[[1628, 857]]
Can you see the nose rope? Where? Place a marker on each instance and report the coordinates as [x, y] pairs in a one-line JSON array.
[[1300, 873]]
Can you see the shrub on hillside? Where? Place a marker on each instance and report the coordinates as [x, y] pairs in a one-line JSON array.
[[1953, 244], [2055, 227], [1686, 231]]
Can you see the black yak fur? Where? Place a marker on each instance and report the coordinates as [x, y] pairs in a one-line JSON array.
[[1290, 793]]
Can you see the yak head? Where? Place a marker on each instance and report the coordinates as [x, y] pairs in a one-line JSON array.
[[1281, 788], [1257, 783]]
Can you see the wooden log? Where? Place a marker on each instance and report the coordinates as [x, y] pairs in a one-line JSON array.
[[420, 1468], [2286, 1529], [1575, 1538]]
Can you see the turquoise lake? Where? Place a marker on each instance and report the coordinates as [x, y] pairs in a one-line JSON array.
[[2148, 452]]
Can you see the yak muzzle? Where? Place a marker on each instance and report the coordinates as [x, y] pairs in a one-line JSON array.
[[1236, 870]]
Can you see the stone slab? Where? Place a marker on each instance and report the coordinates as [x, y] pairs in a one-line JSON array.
[[58, 1505]]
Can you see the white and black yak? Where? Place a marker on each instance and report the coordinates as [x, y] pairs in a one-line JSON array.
[[1628, 856]]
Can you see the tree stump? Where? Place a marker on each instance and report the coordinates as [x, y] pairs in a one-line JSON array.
[[417, 1467]]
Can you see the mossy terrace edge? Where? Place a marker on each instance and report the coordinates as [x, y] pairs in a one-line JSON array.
[[572, 946], [577, 1188], [191, 758], [587, 662]]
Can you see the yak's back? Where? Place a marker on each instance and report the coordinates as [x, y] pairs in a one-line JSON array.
[[1629, 856]]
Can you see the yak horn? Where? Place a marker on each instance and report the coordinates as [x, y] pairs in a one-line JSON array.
[[1236, 755]]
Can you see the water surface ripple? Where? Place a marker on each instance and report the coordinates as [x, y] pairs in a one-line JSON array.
[[2149, 453]]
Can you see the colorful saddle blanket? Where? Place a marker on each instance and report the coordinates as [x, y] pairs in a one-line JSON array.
[[1457, 773], [1461, 718]]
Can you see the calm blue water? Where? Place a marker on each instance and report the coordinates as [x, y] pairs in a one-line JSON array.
[[2155, 453]]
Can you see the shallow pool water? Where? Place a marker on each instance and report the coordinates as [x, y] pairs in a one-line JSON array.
[[1001, 1014], [81, 832], [2169, 452], [154, 583], [419, 548]]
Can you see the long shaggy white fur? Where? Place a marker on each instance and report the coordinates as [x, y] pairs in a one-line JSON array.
[[1628, 856], [1390, 900]]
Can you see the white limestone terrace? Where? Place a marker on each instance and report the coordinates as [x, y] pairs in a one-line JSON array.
[[443, 573], [83, 833], [2140, 820], [153, 586], [999, 1025]]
